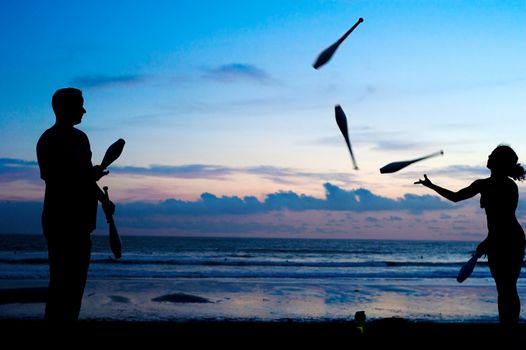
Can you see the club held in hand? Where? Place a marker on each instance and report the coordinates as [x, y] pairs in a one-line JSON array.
[[112, 153], [115, 240]]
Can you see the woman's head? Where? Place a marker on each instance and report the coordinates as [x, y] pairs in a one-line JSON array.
[[503, 160]]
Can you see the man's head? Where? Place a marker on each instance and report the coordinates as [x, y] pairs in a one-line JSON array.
[[68, 105]]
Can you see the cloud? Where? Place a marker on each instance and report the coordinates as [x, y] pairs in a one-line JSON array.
[[465, 171], [337, 199], [99, 81], [399, 145], [364, 200], [237, 72], [189, 171], [173, 212], [13, 165], [17, 169], [280, 175], [378, 141]]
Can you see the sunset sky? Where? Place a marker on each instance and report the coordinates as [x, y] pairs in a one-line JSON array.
[[230, 131]]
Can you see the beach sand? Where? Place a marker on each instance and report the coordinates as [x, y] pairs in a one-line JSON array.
[[394, 332]]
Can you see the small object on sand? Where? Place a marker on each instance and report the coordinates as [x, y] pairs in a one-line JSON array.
[[359, 319]]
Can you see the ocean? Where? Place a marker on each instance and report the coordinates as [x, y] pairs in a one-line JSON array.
[[264, 279]]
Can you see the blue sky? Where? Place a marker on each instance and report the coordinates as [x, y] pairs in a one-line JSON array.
[[221, 98]]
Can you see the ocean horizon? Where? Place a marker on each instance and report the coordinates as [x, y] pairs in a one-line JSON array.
[[181, 278]]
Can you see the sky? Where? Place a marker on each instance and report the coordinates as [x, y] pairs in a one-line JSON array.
[[230, 131]]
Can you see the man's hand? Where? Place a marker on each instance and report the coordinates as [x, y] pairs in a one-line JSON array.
[[99, 172]]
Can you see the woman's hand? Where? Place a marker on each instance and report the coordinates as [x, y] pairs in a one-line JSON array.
[[482, 248], [426, 182]]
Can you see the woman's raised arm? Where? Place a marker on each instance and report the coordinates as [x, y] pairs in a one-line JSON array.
[[458, 196]]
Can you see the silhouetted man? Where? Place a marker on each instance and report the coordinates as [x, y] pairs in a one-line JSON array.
[[70, 204]]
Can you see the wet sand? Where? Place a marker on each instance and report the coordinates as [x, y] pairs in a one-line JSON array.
[[267, 300]]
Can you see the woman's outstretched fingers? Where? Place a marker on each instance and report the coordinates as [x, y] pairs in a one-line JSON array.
[[423, 182]]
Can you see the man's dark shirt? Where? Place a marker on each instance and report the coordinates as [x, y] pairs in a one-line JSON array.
[[70, 202]]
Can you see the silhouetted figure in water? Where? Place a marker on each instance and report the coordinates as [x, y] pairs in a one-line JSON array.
[[70, 204], [505, 242]]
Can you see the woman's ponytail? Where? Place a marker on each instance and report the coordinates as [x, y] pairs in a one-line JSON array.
[[518, 172]]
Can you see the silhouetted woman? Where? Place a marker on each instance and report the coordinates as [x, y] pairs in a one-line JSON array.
[[504, 245]]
